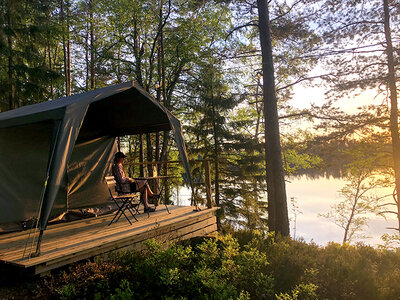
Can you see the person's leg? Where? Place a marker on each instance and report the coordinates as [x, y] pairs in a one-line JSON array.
[[145, 192], [149, 191], [144, 196], [144, 185], [140, 184]]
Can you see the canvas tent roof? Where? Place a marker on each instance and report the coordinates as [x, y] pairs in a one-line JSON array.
[[56, 150]]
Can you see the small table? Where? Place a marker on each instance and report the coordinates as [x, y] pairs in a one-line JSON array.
[[158, 186]]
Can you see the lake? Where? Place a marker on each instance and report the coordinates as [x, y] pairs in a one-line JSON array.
[[315, 196]]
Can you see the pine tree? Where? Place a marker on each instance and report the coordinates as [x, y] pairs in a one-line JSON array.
[[216, 132], [25, 44]]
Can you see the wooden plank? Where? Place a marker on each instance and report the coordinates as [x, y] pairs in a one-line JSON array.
[[65, 227], [51, 228], [204, 227], [101, 233], [181, 222], [116, 238], [179, 234], [138, 245], [115, 241], [207, 226], [212, 228], [147, 235], [102, 229]]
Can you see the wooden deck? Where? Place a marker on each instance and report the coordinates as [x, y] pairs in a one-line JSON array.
[[66, 243]]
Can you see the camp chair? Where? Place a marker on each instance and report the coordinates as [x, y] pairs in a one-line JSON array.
[[124, 202]]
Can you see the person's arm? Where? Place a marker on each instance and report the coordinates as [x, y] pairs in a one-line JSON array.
[[122, 175], [118, 174]]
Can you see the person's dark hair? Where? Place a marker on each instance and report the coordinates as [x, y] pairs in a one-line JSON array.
[[119, 155]]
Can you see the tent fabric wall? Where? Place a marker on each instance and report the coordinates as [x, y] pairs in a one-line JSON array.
[[90, 162], [24, 159], [94, 118], [66, 134]]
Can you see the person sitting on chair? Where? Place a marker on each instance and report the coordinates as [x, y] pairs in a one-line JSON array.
[[126, 184]]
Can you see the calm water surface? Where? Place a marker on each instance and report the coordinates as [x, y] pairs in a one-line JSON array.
[[315, 196]]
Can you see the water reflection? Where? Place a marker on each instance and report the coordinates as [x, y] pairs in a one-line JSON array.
[[316, 196]]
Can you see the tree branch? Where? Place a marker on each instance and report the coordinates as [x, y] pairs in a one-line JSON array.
[[251, 23]]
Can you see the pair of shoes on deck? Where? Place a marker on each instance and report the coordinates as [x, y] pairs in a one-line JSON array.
[[149, 209]]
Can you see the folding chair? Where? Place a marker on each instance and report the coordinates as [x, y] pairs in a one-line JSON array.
[[124, 202]]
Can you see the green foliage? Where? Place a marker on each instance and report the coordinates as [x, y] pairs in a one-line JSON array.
[[182, 52], [390, 241], [301, 291], [296, 156], [253, 266], [67, 292], [26, 32], [124, 291], [331, 272], [217, 131], [82, 280], [204, 269]]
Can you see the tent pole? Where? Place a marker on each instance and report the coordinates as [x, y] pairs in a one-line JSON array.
[[39, 242], [119, 143], [54, 138]]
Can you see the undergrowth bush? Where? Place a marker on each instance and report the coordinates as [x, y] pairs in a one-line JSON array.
[[249, 265]]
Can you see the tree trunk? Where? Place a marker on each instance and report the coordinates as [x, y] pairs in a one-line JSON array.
[[87, 62], [62, 18], [216, 162], [165, 136], [49, 54], [68, 51], [394, 122], [141, 156], [149, 151], [216, 154], [164, 148], [137, 54], [164, 155], [92, 49], [278, 220], [11, 97], [353, 210], [159, 95], [258, 109], [51, 69]]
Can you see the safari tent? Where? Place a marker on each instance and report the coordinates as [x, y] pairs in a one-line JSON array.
[[54, 155]]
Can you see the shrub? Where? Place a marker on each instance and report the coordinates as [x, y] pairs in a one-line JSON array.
[[254, 266]]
